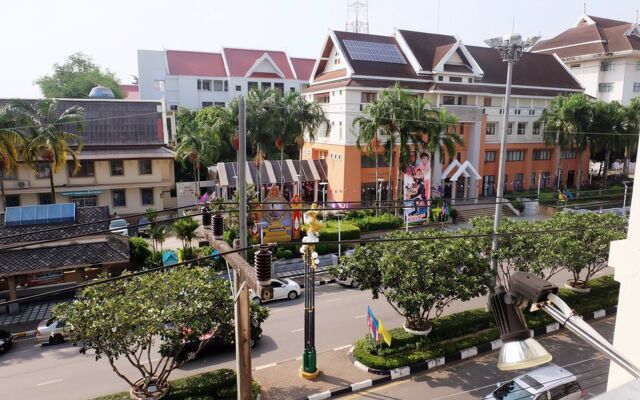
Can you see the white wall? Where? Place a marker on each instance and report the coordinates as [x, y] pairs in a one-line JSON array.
[[623, 75], [152, 66]]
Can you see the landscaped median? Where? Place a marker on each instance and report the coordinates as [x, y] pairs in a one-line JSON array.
[[219, 384], [461, 331]]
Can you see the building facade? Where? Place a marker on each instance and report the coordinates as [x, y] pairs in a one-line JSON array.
[[125, 162], [467, 81], [199, 79], [603, 54]]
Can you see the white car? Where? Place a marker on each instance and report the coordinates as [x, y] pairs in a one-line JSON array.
[[282, 289], [119, 226], [547, 383], [52, 331]]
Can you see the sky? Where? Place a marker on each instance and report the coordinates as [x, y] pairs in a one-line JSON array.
[[35, 34]]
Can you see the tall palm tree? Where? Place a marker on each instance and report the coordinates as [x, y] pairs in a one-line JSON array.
[[158, 234], [567, 121], [48, 135], [186, 230], [11, 144], [194, 146]]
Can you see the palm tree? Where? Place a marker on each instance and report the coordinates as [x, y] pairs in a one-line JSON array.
[[608, 117], [186, 230], [158, 235], [567, 121], [11, 143], [47, 134], [194, 146]]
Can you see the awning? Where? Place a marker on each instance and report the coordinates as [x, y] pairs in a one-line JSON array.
[[272, 172], [126, 154]]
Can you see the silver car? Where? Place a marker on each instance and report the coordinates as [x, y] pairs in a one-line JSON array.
[[119, 226], [282, 289], [52, 331], [547, 383]]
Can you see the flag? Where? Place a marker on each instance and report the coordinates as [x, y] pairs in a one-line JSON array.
[[372, 321], [385, 335], [445, 211]]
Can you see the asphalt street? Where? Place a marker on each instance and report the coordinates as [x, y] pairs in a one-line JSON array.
[[477, 377], [29, 371]]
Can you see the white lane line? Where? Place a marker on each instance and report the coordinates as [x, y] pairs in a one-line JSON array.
[[346, 346], [332, 300], [360, 316], [48, 382], [297, 330], [265, 366]]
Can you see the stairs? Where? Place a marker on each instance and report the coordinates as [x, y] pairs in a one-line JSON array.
[[467, 212]]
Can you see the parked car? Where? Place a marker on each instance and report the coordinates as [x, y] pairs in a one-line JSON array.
[[547, 383], [46, 278], [52, 331], [143, 230], [119, 226], [6, 340], [282, 289], [220, 342]]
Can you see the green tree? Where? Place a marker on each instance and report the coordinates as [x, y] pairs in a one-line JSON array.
[[137, 318], [194, 146], [158, 234], [420, 277], [76, 77], [630, 140], [48, 136], [139, 251], [11, 144], [220, 124], [186, 229], [608, 117]]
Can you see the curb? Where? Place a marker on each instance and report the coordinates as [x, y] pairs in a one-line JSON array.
[[321, 282], [393, 374], [23, 334]]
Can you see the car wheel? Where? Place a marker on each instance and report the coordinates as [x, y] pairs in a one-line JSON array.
[[56, 339], [293, 295], [354, 284], [257, 300]]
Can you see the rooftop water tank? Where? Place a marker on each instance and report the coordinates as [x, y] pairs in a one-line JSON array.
[[101, 92]]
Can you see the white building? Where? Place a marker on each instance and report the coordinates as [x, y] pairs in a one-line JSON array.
[[603, 54], [198, 79]]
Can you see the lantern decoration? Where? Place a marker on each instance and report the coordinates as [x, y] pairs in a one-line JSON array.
[[279, 143], [235, 142]]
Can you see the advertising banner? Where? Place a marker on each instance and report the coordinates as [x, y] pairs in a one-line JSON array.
[[417, 189]]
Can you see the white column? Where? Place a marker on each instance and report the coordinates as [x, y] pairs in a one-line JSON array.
[[623, 258], [473, 150]]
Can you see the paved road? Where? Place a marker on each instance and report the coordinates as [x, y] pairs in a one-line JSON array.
[[60, 372], [475, 378]]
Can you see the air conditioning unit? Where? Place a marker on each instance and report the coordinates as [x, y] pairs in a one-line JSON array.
[[22, 184]]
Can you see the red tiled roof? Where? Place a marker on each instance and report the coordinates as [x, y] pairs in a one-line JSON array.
[[195, 63], [240, 61], [265, 75], [429, 48], [303, 67], [131, 92]]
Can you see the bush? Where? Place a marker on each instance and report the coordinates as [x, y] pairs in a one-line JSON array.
[[288, 254], [470, 328], [219, 384], [348, 231], [230, 235], [139, 251], [373, 223], [518, 205]]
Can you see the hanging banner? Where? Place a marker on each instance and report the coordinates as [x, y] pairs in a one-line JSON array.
[[417, 187], [278, 220], [296, 216]]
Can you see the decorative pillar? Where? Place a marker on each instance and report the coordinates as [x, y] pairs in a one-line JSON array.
[[454, 189], [315, 191], [14, 308], [79, 275]]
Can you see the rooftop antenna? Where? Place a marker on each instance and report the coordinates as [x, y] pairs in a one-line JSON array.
[[513, 24], [357, 16], [636, 17], [584, 8]]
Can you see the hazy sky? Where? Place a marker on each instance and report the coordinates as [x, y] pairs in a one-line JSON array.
[[35, 34]]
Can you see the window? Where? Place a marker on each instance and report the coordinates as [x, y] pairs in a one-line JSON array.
[[515, 155], [279, 86], [218, 86], [440, 78], [518, 181], [226, 86], [491, 128], [238, 88], [455, 79], [462, 100], [206, 85], [85, 201], [145, 167], [448, 100], [321, 98], [607, 66], [265, 85], [510, 128], [219, 103], [517, 111], [636, 87], [522, 128], [207, 104], [13, 200], [458, 156], [470, 80], [605, 87], [637, 65], [44, 198], [489, 156], [44, 171], [545, 179], [488, 183], [252, 86], [532, 112], [367, 97], [158, 84], [536, 128], [367, 161], [118, 198], [340, 130], [573, 66], [568, 154], [541, 155], [533, 179], [117, 168], [487, 102], [146, 195], [292, 89], [86, 169], [8, 175]]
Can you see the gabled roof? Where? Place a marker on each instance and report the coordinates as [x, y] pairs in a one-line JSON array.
[[240, 61], [195, 63], [428, 48], [131, 92], [592, 35], [303, 67]]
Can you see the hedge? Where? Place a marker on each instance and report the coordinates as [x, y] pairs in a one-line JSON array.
[[373, 223], [215, 385], [459, 331]]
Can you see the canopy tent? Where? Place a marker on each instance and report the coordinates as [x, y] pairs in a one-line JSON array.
[[272, 172]]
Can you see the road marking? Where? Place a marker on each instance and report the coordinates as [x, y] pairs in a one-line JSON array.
[[360, 316], [346, 346], [377, 389], [265, 366], [49, 382], [332, 300], [297, 330]]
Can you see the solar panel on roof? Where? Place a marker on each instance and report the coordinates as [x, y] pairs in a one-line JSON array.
[[373, 51], [40, 215]]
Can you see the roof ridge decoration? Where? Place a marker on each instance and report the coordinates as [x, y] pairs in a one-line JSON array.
[[265, 57], [584, 18]]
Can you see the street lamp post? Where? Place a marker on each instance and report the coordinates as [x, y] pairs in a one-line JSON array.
[[324, 192], [378, 195], [624, 200], [339, 216], [510, 47]]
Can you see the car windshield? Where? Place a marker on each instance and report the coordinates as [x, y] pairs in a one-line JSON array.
[[118, 223], [50, 321], [511, 391]]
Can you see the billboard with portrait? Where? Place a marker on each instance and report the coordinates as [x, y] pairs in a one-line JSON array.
[[417, 189]]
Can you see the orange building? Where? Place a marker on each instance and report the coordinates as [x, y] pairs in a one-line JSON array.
[[468, 81]]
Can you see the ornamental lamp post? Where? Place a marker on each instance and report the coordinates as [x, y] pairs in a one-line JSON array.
[[511, 47]]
